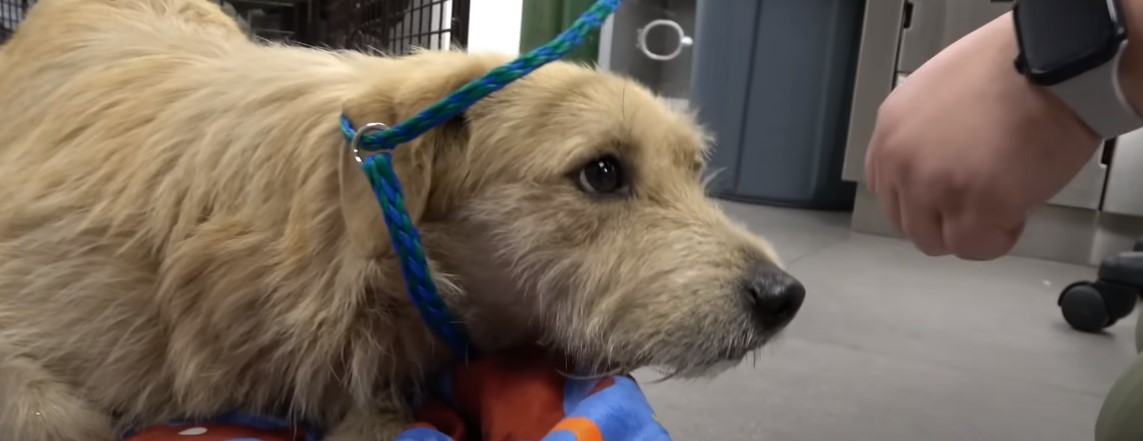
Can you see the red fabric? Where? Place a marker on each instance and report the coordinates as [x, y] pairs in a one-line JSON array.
[[214, 432]]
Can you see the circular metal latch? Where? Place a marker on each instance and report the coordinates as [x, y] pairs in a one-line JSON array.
[[684, 40]]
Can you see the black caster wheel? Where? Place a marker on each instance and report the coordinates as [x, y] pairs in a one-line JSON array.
[[1084, 307], [1120, 299]]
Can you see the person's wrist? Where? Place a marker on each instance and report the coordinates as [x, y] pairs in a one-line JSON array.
[[1033, 103]]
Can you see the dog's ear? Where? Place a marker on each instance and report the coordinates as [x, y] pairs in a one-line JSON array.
[[415, 83]]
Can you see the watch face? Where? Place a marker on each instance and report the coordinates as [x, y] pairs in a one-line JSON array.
[[1060, 39]]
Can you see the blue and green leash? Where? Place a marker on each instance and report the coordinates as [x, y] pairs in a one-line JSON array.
[[381, 139]]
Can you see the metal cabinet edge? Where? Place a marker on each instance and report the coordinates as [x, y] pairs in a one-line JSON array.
[[876, 69]]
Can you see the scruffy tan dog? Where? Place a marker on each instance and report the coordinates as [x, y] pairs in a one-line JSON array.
[[183, 231]]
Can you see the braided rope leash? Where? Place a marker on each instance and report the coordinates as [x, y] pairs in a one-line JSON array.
[[378, 168]]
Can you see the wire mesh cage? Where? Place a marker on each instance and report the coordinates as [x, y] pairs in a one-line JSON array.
[[11, 13], [288, 21], [397, 26], [392, 27], [388, 26]]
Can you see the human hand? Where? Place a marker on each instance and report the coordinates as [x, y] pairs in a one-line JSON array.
[[966, 147]]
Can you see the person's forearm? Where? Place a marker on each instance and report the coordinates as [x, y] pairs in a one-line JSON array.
[[1131, 66]]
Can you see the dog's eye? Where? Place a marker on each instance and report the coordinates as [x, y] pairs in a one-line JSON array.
[[603, 175]]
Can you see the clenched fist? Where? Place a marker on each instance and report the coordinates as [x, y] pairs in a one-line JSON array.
[[966, 147]]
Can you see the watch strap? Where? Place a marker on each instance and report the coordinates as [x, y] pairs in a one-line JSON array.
[[1098, 99]]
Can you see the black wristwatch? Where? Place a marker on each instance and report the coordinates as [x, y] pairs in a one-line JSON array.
[[1073, 47]]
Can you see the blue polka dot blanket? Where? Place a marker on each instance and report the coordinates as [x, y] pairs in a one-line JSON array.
[[520, 396]]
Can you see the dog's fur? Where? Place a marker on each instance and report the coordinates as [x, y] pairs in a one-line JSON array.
[[183, 230]]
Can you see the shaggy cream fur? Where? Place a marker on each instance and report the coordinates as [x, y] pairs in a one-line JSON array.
[[183, 231]]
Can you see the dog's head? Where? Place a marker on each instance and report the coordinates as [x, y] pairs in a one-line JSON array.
[[570, 209]]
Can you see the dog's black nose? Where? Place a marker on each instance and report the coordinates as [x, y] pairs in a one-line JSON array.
[[775, 295]]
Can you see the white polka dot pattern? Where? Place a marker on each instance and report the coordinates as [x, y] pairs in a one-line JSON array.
[[193, 431]]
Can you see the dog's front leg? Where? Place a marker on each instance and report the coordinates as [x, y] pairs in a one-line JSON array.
[[35, 406], [378, 423]]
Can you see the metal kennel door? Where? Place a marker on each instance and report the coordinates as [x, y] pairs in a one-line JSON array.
[[396, 27]]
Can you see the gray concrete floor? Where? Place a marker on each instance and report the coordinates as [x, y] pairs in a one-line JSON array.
[[892, 345]]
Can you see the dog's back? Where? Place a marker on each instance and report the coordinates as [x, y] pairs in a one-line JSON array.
[[137, 244]]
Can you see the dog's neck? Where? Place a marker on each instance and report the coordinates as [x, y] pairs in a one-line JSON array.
[[268, 244]]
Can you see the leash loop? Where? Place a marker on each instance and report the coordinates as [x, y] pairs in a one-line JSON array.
[[377, 137]]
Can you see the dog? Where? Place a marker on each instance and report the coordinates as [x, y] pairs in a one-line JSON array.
[[184, 231]]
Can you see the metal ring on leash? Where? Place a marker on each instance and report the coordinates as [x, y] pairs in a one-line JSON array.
[[684, 40], [371, 127]]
